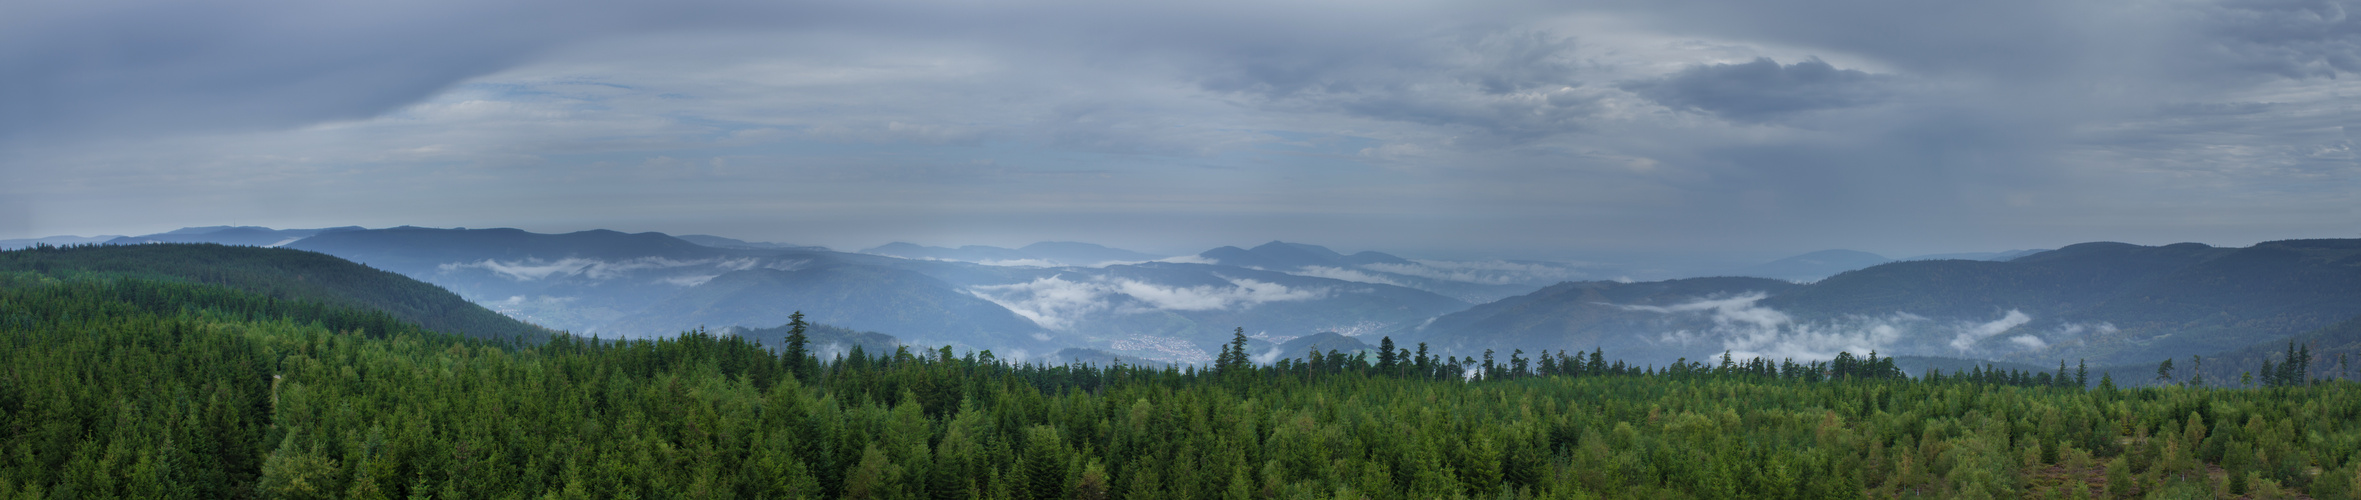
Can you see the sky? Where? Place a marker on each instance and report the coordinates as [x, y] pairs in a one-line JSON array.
[[1548, 129]]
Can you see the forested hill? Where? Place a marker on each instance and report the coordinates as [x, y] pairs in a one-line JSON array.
[[277, 273], [2113, 304], [132, 388]]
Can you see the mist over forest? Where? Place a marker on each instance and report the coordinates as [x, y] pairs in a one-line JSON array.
[[2120, 307], [1235, 249]]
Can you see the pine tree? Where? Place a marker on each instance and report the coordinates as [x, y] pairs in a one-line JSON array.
[[1238, 359], [1093, 484], [875, 477], [798, 348], [1426, 366], [1385, 355]]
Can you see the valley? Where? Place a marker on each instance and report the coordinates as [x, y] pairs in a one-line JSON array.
[[2117, 306]]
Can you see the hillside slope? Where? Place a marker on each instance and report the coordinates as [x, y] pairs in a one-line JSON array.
[[909, 305], [2107, 303], [278, 273]]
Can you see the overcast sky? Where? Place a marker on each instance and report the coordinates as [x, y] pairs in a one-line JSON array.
[[1454, 127]]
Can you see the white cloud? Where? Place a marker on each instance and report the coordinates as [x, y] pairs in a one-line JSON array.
[[1969, 336], [1243, 292], [2070, 330], [2029, 342], [538, 269], [1056, 303], [1021, 263], [1268, 357], [688, 280], [1748, 330], [1051, 302], [527, 270], [1726, 311], [1342, 274], [1489, 272], [1167, 348]]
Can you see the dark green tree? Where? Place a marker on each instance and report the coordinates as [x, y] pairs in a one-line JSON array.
[[798, 346]]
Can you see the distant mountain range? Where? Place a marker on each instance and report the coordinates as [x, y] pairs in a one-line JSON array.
[[1822, 264], [649, 284], [230, 235], [1043, 254], [1322, 342], [2110, 303], [226, 235], [1813, 266], [1473, 282], [55, 241], [721, 242]]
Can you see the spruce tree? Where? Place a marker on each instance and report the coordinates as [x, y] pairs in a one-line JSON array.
[[798, 350], [1426, 366], [1235, 358]]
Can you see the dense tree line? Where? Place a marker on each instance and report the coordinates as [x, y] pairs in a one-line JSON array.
[[138, 388], [279, 273]]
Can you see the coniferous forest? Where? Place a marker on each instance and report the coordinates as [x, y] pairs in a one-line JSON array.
[[129, 386]]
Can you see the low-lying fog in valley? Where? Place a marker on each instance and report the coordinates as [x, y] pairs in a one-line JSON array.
[[2107, 303]]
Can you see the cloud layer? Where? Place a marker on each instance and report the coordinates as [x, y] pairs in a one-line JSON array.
[[1416, 126], [1056, 303], [596, 269], [1747, 330]]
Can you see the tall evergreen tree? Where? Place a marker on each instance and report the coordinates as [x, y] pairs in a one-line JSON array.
[[798, 347], [1237, 359], [1426, 366]]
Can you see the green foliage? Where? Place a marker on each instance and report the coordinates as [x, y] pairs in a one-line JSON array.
[[136, 388], [277, 273]]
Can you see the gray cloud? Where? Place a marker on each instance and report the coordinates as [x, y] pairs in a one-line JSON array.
[[1895, 127], [1506, 84], [1763, 90], [2287, 38]]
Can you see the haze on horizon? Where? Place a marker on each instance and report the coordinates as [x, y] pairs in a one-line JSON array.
[[1513, 129]]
